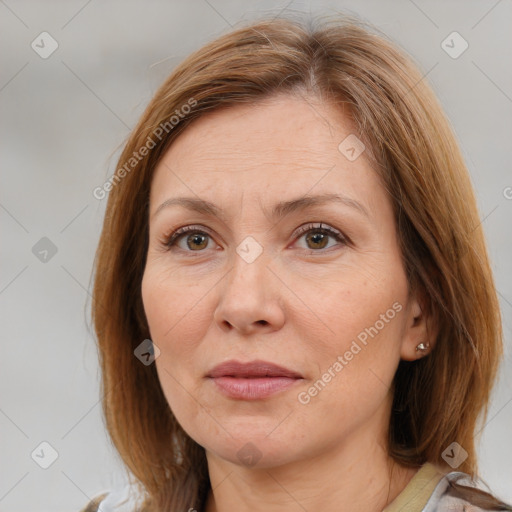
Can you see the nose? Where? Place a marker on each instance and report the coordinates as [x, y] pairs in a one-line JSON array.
[[250, 297]]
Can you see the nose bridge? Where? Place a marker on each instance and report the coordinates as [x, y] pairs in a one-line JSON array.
[[245, 298], [250, 250], [249, 266]]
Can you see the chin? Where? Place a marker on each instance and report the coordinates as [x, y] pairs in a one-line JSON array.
[[254, 447]]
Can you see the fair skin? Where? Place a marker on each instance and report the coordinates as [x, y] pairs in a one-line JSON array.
[[299, 304]]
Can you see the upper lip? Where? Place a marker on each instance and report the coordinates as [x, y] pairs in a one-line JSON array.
[[252, 369]]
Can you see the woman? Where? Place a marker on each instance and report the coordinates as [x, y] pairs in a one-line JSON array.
[[293, 299]]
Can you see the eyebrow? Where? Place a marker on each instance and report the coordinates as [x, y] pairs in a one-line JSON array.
[[279, 210]]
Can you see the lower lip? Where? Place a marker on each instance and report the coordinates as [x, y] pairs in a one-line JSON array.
[[252, 388]]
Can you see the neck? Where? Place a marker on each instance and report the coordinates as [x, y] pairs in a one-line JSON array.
[[358, 476]]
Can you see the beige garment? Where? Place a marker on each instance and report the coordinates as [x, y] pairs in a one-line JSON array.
[[418, 491]]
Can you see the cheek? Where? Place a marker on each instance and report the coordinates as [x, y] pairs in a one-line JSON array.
[[356, 344], [355, 361], [179, 316], [350, 299], [176, 325], [169, 304]]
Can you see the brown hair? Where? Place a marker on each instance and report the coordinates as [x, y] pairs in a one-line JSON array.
[[437, 399]]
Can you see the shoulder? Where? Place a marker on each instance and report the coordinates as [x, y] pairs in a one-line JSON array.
[[456, 491], [124, 499]]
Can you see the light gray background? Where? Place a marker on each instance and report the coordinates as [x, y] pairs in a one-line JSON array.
[[63, 119]]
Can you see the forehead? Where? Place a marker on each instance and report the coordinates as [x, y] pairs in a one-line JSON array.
[[282, 147], [302, 127]]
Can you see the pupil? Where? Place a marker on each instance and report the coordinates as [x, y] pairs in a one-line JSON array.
[[197, 239], [318, 238]]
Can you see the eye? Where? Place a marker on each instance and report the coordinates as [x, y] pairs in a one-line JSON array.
[[195, 240], [317, 236]]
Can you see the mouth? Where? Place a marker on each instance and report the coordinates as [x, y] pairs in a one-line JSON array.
[[252, 381], [253, 369]]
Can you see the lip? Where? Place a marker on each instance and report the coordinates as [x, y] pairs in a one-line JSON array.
[[253, 380], [252, 369]]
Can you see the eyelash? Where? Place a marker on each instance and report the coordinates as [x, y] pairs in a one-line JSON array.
[[169, 241]]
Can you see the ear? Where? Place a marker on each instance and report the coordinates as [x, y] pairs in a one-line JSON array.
[[420, 328]]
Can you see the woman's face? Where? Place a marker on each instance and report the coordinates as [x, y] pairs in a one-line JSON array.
[[255, 279]]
